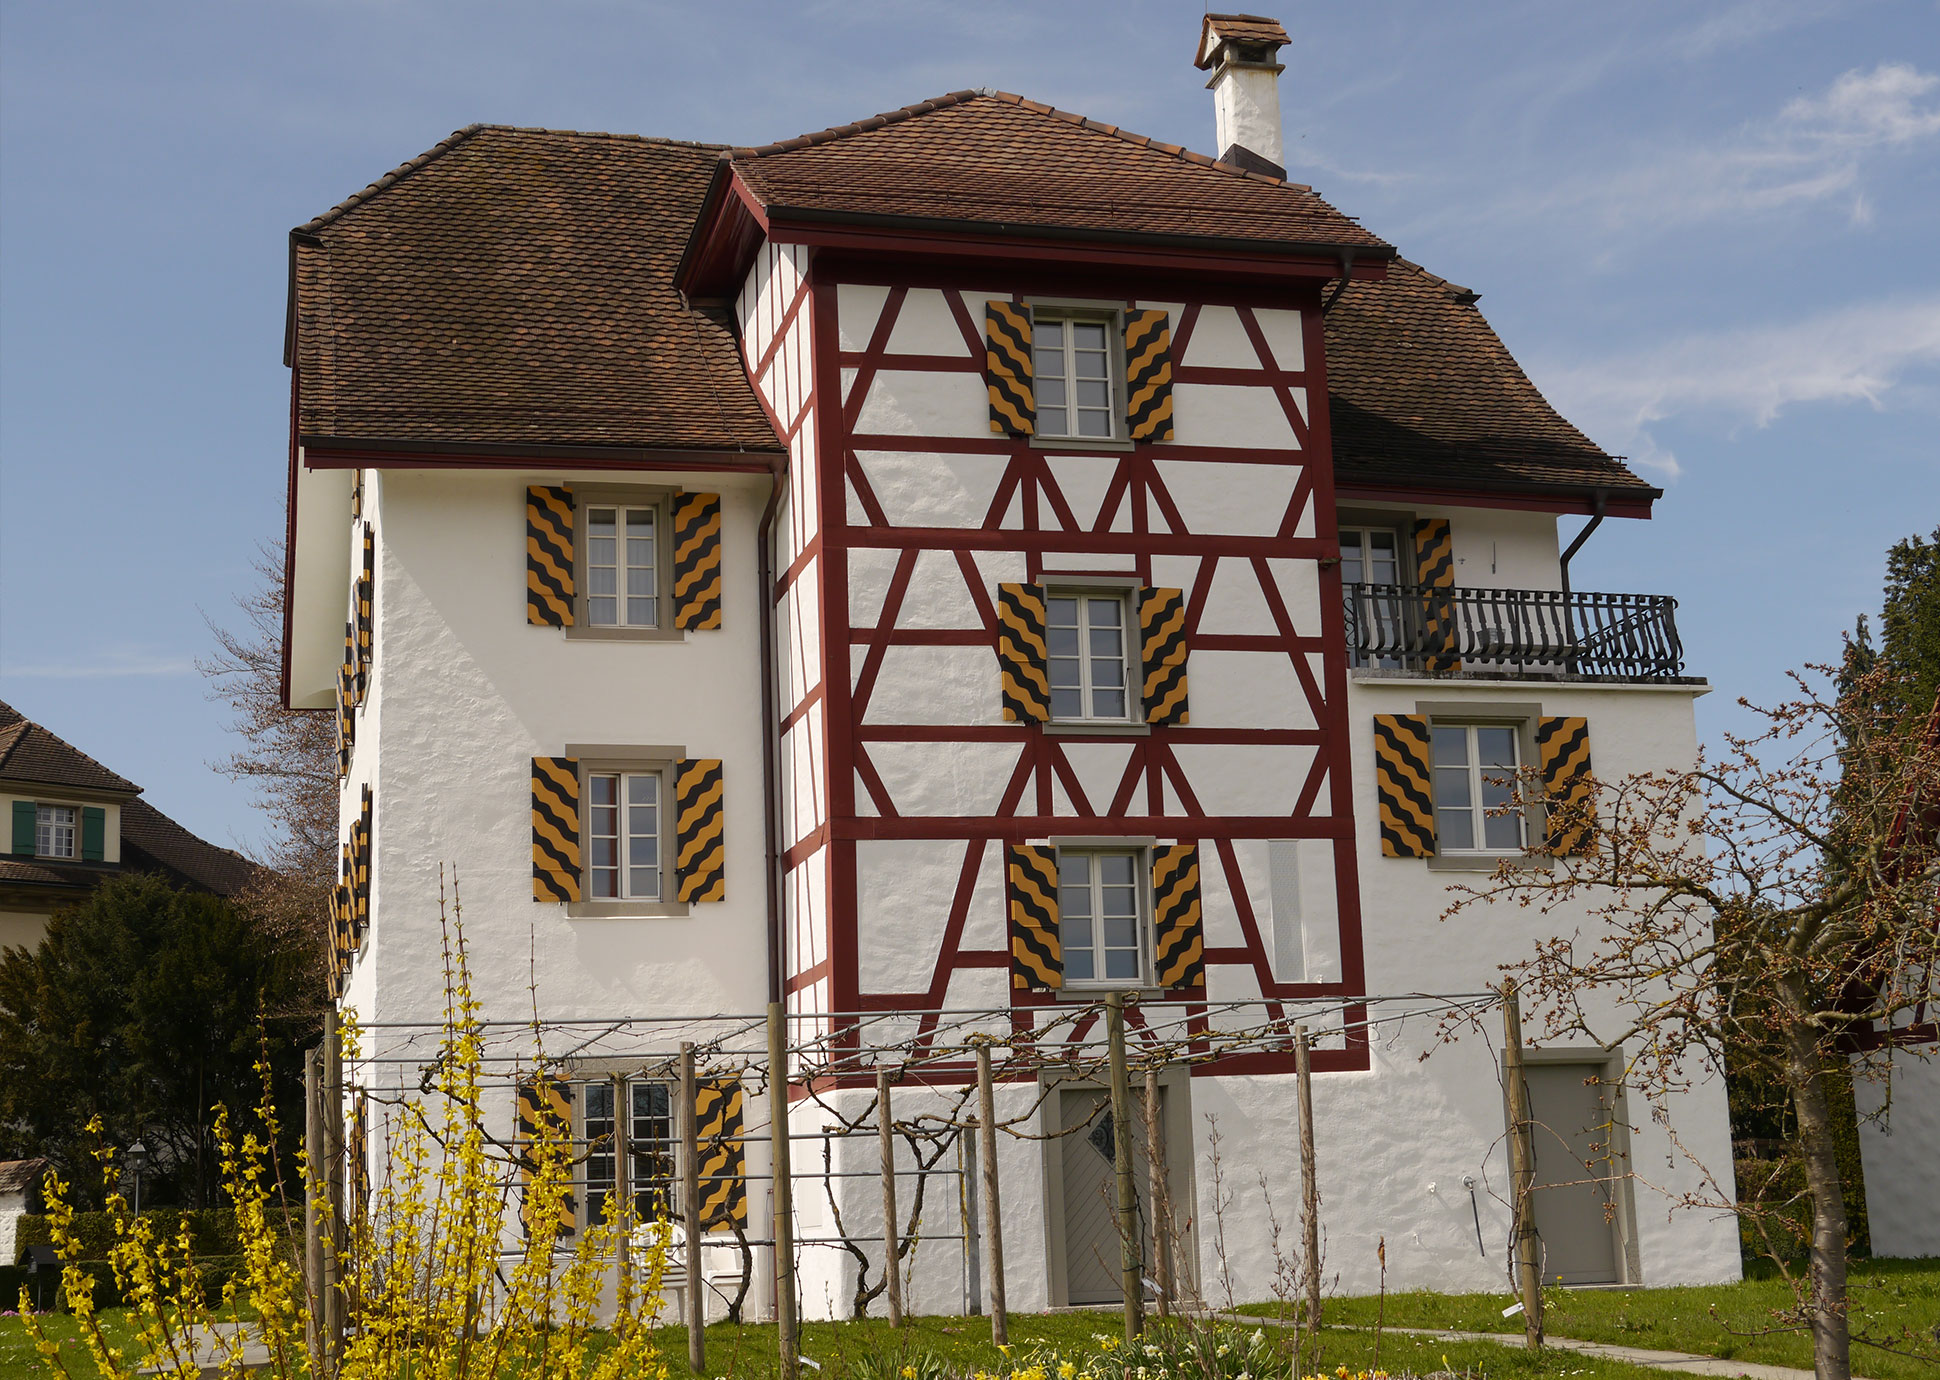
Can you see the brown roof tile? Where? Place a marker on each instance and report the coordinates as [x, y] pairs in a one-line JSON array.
[[152, 842], [1422, 393], [29, 753], [1241, 28], [998, 160], [514, 287]]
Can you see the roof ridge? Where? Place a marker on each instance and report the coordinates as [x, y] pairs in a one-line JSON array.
[[19, 733], [954, 98], [459, 136]]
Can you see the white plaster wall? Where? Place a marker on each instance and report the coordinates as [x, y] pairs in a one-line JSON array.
[[1495, 548], [465, 694], [1899, 1146]]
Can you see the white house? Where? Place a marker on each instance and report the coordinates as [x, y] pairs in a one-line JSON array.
[[972, 559]]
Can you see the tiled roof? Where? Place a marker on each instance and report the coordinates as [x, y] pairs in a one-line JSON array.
[[152, 842], [514, 287], [29, 753], [1422, 393], [16, 1175], [1241, 28], [998, 160]]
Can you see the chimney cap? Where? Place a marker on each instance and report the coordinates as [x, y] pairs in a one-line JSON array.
[[1251, 30]]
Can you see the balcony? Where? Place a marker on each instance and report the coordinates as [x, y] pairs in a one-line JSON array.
[[1515, 632]]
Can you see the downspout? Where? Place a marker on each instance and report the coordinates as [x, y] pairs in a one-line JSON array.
[[1596, 520], [770, 734], [1346, 277]]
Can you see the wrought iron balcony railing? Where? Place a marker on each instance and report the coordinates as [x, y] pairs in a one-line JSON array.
[[1519, 631]]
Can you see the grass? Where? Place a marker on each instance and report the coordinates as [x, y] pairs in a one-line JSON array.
[[748, 1352], [1888, 1297]]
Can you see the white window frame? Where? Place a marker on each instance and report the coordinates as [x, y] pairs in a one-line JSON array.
[[1403, 575], [47, 831], [1113, 321], [624, 805], [620, 499], [624, 1128], [1129, 654], [1141, 860], [1479, 812]]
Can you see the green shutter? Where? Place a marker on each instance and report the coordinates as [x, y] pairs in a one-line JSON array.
[[25, 817], [94, 834]]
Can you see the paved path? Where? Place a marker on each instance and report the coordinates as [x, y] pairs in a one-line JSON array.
[[211, 1349], [1683, 1361]]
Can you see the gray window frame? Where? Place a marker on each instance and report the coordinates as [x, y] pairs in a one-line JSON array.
[[1522, 716], [1140, 851], [1125, 589], [606, 758], [660, 499], [1113, 316]]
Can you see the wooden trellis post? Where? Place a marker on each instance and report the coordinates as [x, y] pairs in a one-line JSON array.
[[992, 1204], [787, 1327], [1309, 1182], [690, 1210], [1161, 1194], [892, 1275], [1522, 1170], [313, 1206], [1131, 1269], [332, 1107]]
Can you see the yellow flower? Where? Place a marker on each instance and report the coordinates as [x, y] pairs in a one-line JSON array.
[[909, 1373], [1066, 1370]]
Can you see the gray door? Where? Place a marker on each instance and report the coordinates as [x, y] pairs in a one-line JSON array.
[[1576, 1190], [1091, 1250]]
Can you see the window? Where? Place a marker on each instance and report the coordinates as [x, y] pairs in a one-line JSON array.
[[1101, 916], [623, 827], [622, 566], [1475, 766], [1090, 657], [648, 1150], [1075, 368], [54, 831], [1372, 556]]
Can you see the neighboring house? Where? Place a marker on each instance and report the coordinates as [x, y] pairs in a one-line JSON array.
[[972, 559], [75, 823], [19, 1195]]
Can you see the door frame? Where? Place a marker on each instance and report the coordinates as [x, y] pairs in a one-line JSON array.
[[1176, 1084], [1623, 1227]]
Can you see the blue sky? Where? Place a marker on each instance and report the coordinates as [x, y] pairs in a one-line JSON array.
[[1708, 232]]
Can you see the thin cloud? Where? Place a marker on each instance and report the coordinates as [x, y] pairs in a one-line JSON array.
[[1863, 353], [109, 667], [1816, 148]]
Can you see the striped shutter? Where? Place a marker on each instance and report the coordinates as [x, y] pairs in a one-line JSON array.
[[1148, 375], [555, 829], [1036, 949], [1563, 756], [1022, 656], [549, 556], [94, 834], [347, 700], [546, 1116], [1435, 573], [723, 1161], [700, 830], [697, 562], [26, 825], [342, 907], [1162, 650], [1007, 368], [366, 586], [360, 863], [1178, 923], [1402, 784]]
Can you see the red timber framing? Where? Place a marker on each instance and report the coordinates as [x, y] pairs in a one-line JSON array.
[[1154, 796]]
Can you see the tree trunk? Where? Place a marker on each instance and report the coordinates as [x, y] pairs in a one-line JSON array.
[[1826, 1310]]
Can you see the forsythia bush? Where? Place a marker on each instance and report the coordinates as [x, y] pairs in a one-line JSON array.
[[431, 1287]]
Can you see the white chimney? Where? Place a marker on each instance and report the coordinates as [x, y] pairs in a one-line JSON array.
[[1239, 50]]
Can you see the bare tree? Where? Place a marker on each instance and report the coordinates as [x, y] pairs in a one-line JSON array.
[[288, 759], [1782, 904]]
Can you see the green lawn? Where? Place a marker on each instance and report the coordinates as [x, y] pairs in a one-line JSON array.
[[747, 1353], [1888, 1297]]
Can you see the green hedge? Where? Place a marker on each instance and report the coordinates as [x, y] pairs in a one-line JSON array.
[[212, 1231], [45, 1288]]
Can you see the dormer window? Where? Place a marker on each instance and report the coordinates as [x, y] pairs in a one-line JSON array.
[[54, 831]]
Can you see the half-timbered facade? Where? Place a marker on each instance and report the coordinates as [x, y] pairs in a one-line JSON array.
[[973, 559]]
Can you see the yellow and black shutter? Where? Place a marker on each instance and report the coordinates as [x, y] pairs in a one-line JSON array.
[[1022, 656], [1563, 756], [1007, 368], [697, 562], [1435, 574], [700, 830], [1178, 920], [1036, 949], [366, 628], [360, 861], [1403, 784], [546, 1119], [722, 1170], [347, 699], [1162, 651], [549, 556], [555, 829], [1148, 375]]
